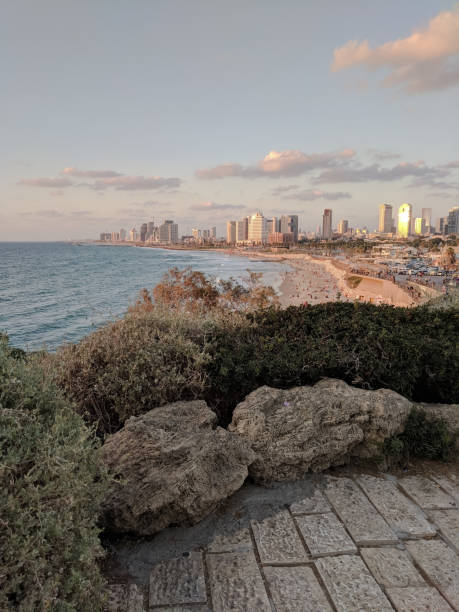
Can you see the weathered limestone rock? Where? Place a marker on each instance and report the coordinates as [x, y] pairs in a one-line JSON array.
[[306, 428], [172, 466], [448, 412]]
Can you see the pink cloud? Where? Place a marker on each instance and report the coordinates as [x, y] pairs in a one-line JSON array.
[[46, 182], [71, 171]]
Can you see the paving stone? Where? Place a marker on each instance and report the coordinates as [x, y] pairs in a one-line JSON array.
[[350, 584], [278, 540], [236, 583], [448, 522], [296, 589], [124, 598], [324, 535], [178, 581], [236, 541], [450, 484], [403, 516], [196, 608], [392, 567], [316, 504], [441, 564], [418, 599], [426, 493], [363, 522]]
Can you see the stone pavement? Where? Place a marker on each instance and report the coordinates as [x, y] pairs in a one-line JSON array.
[[346, 543]]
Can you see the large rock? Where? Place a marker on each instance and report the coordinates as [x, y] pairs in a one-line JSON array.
[[305, 429], [448, 412], [172, 466]]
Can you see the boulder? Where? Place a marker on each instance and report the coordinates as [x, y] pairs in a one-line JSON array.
[[172, 465], [312, 428], [448, 412]]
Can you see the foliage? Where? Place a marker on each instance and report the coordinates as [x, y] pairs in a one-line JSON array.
[[423, 437], [193, 291], [353, 281], [149, 358], [51, 489]]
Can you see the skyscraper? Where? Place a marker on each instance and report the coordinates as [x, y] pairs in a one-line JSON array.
[[242, 230], [231, 232], [419, 226], [143, 232], [289, 225], [427, 216], [343, 226], [404, 220], [453, 220], [258, 229], [168, 232], [327, 224], [385, 219]]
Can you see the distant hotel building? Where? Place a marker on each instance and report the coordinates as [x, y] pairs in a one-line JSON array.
[[327, 224], [453, 220], [404, 220], [168, 232], [419, 226], [258, 229], [231, 232], [385, 219], [289, 225]]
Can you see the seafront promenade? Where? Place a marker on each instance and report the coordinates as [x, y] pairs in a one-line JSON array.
[[343, 541]]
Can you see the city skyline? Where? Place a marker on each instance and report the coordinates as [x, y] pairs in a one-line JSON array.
[[228, 126]]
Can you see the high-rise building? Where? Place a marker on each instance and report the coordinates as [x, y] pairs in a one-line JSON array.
[[419, 226], [327, 224], [441, 225], [404, 220], [122, 235], [258, 230], [196, 233], [273, 225], [453, 220], [168, 232], [231, 232], [143, 232], [150, 229], [427, 216], [289, 225], [242, 230], [343, 226], [385, 219], [213, 232]]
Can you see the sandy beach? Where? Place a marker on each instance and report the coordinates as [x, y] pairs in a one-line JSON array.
[[315, 281]]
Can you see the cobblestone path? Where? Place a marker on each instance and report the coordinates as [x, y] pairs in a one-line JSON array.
[[365, 542]]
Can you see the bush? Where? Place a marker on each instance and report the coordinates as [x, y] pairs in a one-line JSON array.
[[51, 489], [154, 356], [146, 359], [423, 437]]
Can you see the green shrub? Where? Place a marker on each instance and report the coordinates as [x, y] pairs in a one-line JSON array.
[[146, 359], [155, 356], [424, 438], [51, 488]]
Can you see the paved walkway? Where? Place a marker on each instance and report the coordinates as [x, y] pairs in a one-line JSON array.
[[346, 543]]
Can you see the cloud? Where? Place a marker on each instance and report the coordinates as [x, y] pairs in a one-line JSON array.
[[46, 182], [309, 195], [279, 164], [426, 60], [377, 173], [58, 192], [215, 206], [71, 171], [383, 155], [452, 164], [130, 183], [277, 191]]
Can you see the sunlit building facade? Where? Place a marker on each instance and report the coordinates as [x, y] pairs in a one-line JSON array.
[[404, 220], [385, 219]]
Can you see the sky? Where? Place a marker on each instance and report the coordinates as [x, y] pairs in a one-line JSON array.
[[203, 111]]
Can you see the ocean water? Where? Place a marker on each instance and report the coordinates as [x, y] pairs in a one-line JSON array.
[[52, 293]]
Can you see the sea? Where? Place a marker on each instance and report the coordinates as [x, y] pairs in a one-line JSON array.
[[57, 292]]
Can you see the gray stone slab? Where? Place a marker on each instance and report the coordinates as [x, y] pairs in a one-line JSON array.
[[316, 504], [350, 584], [236, 583], [325, 535], [448, 523], [405, 518], [235, 541], [450, 484], [277, 539], [426, 493], [124, 598], [195, 608], [178, 581], [362, 520], [441, 564], [392, 567], [418, 599], [296, 589]]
